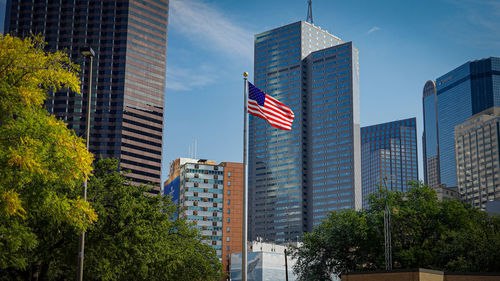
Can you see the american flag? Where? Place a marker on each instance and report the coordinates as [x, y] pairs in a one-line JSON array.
[[268, 108]]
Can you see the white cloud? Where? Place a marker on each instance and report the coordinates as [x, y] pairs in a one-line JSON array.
[[183, 79], [373, 29], [211, 28]]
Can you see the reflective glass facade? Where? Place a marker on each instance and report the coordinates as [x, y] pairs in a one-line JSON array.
[[454, 106], [334, 131], [128, 80], [430, 136], [461, 93], [388, 156], [281, 182]]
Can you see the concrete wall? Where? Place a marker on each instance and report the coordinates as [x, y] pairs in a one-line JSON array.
[[467, 277], [419, 274]]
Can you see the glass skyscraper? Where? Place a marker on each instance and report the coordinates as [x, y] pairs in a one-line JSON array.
[[388, 156], [128, 82], [461, 93], [297, 176], [430, 136]]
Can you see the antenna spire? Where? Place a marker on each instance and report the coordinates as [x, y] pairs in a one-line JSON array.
[[310, 12]]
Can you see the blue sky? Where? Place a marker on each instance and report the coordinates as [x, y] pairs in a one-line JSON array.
[[401, 43]]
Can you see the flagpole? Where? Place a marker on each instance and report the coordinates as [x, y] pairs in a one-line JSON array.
[[245, 183]]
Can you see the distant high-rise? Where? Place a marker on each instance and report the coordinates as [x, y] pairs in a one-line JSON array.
[[388, 156], [211, 197], [296, 177], [459, 94], [128, 82], [430, 137], [477, 147]]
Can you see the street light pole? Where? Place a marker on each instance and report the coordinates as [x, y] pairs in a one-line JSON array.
[[86, 52], [387, 231]]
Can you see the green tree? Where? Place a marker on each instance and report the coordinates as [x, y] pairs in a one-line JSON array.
[[443, 235], [42, 163], [136, 236]]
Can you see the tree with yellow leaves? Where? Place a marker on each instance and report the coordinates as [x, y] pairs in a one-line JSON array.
[[42, 162]]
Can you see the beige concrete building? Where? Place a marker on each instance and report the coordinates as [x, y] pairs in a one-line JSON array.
[[444, 192], [477, 144]]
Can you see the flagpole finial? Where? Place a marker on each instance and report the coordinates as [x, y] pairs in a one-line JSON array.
[[245, 74]]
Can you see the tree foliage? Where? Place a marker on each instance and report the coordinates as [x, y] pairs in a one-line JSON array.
[[136, 236], [42, 166], [443, 235], [42, 163]]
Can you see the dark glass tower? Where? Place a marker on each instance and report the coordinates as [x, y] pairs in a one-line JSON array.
[[388, 156], [430, 136], [128, 81], [461, 93], [297, 176]]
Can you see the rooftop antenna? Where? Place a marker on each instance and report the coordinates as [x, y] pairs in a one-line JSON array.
[[195, 147], [310, 12]]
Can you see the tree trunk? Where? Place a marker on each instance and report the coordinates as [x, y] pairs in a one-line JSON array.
[[36, 271]]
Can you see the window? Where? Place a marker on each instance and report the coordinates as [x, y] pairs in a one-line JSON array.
[[228, 229], [227, 240], [228, 220], [228, 174], [228, 201], [228, 210], [229, 183], [229, 192]]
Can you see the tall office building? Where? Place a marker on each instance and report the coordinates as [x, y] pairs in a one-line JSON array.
[[296, 177], [430, 143], [477, 146], [388, 156], [210, 196], [459, 94], [128, 80]]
